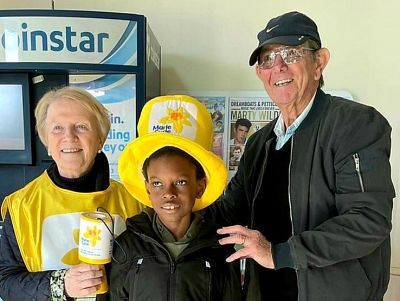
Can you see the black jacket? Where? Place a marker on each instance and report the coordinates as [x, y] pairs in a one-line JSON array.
[[13, 273], [148, 272], [340, 199]]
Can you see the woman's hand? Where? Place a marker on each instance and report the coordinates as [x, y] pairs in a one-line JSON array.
[[83, 279]]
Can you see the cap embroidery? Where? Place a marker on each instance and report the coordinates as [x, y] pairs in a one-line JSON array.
[[270, 29], [179, 118]]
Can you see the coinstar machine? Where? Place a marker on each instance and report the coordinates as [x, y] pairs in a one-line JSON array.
[[114, 56]]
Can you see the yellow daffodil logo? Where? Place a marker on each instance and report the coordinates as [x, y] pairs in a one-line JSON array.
[[93, 235], [178, 118]]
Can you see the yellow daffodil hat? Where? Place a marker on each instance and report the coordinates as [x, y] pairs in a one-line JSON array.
[[180, 121]]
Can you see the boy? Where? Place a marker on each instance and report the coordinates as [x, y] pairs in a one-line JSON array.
[[168, 252]]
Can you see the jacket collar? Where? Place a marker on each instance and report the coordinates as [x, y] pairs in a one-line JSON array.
[[319, 105]]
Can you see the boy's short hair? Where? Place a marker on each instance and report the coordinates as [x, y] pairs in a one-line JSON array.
[[168, 151]]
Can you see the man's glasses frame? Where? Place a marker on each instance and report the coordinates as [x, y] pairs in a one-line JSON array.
[[289, 54]]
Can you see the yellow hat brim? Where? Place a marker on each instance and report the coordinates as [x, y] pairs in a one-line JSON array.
[[131, 161]]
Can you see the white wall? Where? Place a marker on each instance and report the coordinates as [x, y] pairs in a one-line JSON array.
[[206, 46]]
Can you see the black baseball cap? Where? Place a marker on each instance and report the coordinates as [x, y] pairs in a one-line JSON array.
[[291, 29]]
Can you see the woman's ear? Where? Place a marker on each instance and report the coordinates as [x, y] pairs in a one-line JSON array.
[[322, 59]]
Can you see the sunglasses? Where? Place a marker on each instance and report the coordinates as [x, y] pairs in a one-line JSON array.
[[290, 55]]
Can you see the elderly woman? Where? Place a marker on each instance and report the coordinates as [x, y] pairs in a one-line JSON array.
[[39, 240]]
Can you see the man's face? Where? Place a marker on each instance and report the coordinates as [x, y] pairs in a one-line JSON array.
[[241, 134], [289, 84], [236, 153]]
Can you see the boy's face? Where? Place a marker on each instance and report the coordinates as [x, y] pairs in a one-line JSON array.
[[173, 188]]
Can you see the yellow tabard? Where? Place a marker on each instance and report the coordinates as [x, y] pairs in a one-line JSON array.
[[46, 219]]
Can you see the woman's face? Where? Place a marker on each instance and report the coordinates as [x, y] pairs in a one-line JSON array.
[[73, 138]]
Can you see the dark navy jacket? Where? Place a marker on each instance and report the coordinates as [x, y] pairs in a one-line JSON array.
[[340, 195]]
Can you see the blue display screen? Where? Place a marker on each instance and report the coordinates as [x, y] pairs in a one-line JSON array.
[[11, 118]]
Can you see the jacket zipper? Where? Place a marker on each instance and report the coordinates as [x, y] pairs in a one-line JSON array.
[[138, 265], [290, 206], [172, 263], [172, 271], [208, 266], [289, 195], [358, 170]]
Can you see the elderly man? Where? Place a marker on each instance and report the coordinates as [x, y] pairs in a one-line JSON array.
[[313, 186]]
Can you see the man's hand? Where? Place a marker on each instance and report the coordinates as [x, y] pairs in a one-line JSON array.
[[83, 279], [255, 245]]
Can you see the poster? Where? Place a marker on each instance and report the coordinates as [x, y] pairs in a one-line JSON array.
[[229, 108], [217, 108], [117, 93], [246, 116]]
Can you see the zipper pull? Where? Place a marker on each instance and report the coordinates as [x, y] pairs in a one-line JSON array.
[[358, 170], [357, 162], [138, 263]]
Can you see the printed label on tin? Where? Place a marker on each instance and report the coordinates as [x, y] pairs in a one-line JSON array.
[[95, 240]]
